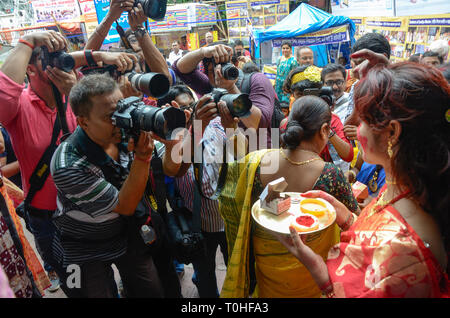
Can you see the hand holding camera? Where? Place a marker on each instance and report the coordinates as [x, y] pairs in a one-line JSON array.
[[143, 149], [123, 61], [220, 53], [64, 81], [136, 16], [205, 110], [116, 7], [52, 40]]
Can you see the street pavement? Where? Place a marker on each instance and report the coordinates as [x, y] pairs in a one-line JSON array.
[[188, 289]]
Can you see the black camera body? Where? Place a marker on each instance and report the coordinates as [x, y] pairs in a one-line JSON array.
[[326, 93], [132, 115], [238, 104], [153, 9], [58, 59]]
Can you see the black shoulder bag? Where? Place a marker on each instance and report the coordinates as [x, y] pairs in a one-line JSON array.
[[184, 229]]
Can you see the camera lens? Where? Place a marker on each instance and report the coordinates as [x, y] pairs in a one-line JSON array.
[[63, 61], [229, 71], [154, 9], [151, 84]]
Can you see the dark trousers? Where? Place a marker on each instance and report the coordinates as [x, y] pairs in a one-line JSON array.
[[43, 231], [206, 266], [138, 273]]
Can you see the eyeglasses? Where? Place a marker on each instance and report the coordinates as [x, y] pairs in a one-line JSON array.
[[330, 83]]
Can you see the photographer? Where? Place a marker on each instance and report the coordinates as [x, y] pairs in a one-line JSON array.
[[214, 57], [306, 80], [99, 185], [30, 114], [137, 36]]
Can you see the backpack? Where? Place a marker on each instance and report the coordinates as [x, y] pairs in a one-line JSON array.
[[277, 115]]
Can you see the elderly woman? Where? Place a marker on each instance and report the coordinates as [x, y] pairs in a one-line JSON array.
[[396, 246]]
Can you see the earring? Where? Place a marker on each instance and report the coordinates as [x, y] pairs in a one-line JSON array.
[[389, 150]]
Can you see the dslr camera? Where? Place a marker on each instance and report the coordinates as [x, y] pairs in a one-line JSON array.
[[132, 116], [153, 9], [229, 71], [58, 59], [238, 104], [326, 93]]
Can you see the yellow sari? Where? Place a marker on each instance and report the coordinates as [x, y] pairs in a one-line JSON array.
[[278, 272]]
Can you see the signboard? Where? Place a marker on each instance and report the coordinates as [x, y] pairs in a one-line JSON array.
[[327, 36], [368, 8], [412, 7], [89, 15], [62, 10], [102, 8], [261, 14]]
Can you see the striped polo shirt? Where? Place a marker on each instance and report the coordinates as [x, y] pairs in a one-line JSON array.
[[88, 229], [214, 138]]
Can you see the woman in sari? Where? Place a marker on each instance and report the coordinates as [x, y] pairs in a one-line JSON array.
[[286, 63], [299, 163], [398, 245]]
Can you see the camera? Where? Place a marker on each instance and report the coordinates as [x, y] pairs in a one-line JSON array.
[[326, 93], [153, 9], [229, 71], [58, 59], [238, 104], [132, 115], [151, 84]]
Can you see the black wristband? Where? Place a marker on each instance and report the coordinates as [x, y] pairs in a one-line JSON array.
[[90, 58]]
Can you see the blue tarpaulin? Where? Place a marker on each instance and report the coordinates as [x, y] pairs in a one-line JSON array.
[[305, 19]]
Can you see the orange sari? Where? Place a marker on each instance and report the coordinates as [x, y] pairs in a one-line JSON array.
[[31, 259], [382, 256]]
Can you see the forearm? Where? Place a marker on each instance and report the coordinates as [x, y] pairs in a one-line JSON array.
[[253, 120], [153, 57], [189, 62], [344, 149], [101, 31], [133, 188], [10, 169], [15, 65]]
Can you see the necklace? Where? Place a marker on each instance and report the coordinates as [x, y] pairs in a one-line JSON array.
[[382, 203], [299, 163]]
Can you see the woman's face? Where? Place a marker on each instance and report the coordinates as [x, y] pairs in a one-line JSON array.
[[373, 144], [286, 50]]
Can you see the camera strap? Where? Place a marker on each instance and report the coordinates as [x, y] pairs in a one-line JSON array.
[[42, 169], [198, 173], [124, 39]]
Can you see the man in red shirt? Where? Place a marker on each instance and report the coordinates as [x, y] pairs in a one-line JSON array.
[[29, 114]]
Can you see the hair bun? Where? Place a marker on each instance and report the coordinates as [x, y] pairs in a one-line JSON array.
[[293, 134]]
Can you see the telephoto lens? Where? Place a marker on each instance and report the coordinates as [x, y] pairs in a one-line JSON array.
[[229, 71], [152, 84], [238, 104], [133, 115], [154, 9]]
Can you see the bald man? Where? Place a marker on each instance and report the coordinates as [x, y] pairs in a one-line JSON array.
[[305, 56]]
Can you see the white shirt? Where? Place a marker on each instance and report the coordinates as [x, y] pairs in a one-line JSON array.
[[341, 107], [174, 56]]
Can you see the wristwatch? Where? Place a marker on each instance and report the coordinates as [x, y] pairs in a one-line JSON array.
[[140, 32]]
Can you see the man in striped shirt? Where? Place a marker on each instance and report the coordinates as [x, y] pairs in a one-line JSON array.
[[92, 207]]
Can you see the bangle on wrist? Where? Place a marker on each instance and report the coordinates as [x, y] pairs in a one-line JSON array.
[[142, 159], [332, 133], [348, 222], [327, 289], [31, 46]]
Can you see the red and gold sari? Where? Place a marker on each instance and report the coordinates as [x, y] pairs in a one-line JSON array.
[[382, 256]]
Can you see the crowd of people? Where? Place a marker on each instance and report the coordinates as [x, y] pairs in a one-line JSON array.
[[94, 195]]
